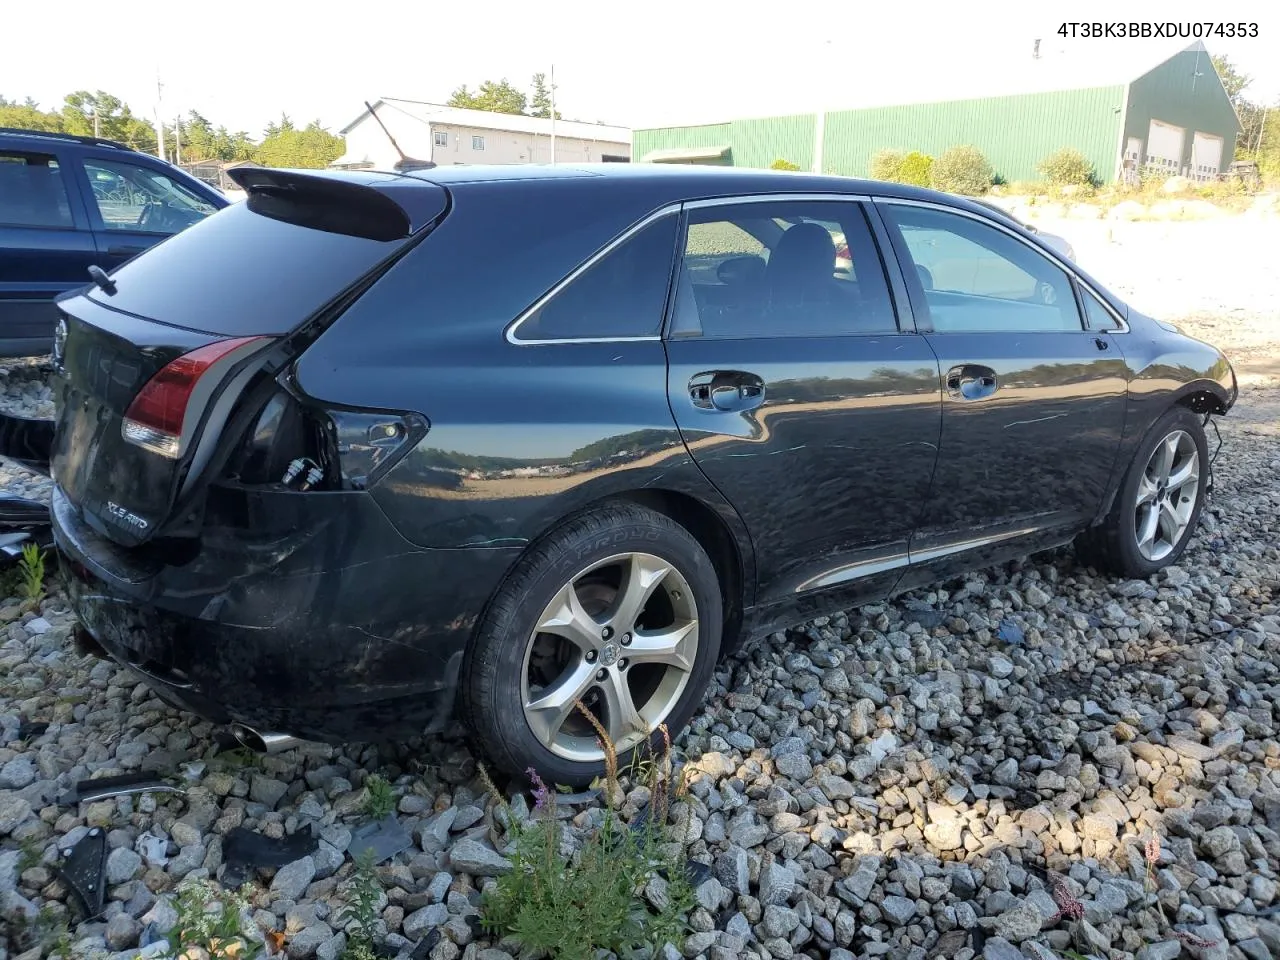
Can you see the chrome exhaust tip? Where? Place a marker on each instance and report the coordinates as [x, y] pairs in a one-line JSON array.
[[263, 742]]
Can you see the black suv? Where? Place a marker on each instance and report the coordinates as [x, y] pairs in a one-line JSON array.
[[69, 202], [554, 439]]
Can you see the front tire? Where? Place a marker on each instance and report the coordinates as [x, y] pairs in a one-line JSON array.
[[619, 609], [1158, 506]]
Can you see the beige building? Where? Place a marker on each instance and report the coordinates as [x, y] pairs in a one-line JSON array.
[[449, 135]]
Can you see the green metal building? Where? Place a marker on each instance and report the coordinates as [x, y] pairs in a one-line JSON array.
[[1173, 117]]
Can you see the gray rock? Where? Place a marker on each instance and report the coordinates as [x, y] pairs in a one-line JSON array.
[[478, 860], [779, 921], [998, 948], [777, 883], [1253, 949], [308, 941], [732, 869], [1000, 667], [699, 943], [709, 894], [437, 829], [795, 766], [836, 788], [14, 810], [17, 773], [1163, 950], [122, 932], [863, 878], [267, 791], [1019, 923], [1006, 773], [123, 864], [716, 765], [292, 880], [899, 909], [421, 921]]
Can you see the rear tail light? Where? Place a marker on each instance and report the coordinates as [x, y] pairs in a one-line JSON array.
[[155, 418]]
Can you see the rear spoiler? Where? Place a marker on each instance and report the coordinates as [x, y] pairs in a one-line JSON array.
[[380, 207]]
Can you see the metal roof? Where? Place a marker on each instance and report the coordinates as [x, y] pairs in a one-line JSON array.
[[391, 108]]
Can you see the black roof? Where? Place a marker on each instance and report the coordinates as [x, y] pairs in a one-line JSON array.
[[64, 137], [678, 181]]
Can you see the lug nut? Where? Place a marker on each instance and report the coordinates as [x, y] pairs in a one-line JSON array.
[[626, 639], [607, 632], [600, 675], [622, 664], [591, 656]]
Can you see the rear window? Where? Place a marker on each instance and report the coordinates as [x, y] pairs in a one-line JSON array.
[[237, 273]]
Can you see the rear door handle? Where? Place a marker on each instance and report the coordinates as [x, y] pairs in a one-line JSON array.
[[726, 391], [971, 381]]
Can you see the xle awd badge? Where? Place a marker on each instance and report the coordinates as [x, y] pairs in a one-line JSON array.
[[126, 517]]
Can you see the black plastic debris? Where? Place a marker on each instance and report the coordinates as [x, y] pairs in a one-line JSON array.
[[130, 783], [383, 840], [83, 870], [244, 851], [31, 728]]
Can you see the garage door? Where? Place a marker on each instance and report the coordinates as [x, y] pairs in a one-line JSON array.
[[1164, 148], [1206, 156]]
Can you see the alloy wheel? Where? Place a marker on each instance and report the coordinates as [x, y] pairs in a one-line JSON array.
[[1166, 497], [621, 637]]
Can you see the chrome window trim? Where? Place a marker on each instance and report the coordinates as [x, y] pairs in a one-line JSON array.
[[775, 198], [670, 210], [1048, 254]]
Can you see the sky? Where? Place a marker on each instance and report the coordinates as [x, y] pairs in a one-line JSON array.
[[652, 63]]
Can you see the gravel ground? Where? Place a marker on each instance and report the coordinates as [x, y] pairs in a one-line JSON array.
[[976, 770]]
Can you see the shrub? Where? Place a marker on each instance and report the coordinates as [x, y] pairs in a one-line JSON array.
[[963, 170], [887, 165], [1067, 168], [916, 169], [784, 165]]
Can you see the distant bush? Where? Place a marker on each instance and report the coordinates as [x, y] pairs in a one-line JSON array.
[[1067, 168], [784, 165], [887, 165], [963, 170], [916, 169]]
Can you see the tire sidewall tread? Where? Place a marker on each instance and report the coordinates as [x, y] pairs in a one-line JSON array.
[[490, 697]]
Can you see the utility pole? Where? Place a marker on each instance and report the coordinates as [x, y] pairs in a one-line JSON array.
[[159, 125], [553, 114], [177, 140], [96, 126]]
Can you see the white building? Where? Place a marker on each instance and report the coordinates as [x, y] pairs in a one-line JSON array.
[[449, 135]]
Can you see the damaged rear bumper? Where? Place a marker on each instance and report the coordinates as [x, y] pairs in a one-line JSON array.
[[301, 613]]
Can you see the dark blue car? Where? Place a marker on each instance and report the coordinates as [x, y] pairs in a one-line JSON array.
[[69, 202]]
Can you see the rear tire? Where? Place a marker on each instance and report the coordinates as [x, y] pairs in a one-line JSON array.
[[1158, 506], [620, 608]]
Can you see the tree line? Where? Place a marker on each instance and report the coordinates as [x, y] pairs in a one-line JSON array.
[[187, 139], [1259, 139], [500, 96]]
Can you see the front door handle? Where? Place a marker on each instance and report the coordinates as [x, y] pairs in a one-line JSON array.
[[971, 381], [726, 391]]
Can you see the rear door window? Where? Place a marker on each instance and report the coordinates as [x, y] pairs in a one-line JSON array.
[[134, 197], [785, 268], [238, 273], [33, 192], [621, 296]]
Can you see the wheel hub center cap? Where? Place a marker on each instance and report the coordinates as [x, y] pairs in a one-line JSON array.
[[608, 655]]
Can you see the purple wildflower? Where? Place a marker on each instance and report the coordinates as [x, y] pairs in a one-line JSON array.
[[541, 793]]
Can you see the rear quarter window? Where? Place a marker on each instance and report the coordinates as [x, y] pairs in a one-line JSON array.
[[238, 273]]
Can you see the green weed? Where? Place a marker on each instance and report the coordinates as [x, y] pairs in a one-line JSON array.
[[575, 905], [31, 571], [380, 800], [362, 911], [209, 918]]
